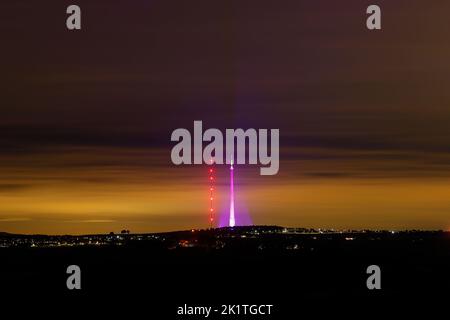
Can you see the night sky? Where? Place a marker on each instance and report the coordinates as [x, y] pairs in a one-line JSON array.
[[86, 116]]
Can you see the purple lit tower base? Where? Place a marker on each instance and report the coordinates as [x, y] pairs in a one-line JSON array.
[[234, 213]]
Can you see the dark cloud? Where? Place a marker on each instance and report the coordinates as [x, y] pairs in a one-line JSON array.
[[13, 187]]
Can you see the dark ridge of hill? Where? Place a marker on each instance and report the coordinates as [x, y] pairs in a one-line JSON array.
[[236, 229]]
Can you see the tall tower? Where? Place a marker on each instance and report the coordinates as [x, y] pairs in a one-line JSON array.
[[232, 222], [211, 198]]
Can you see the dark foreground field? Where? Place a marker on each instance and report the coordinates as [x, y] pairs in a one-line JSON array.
[[323, 273]]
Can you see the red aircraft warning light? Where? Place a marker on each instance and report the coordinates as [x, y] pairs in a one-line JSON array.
[[211, 198]]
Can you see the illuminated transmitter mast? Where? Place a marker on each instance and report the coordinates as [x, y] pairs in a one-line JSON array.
[[211, 195], [232, 221]]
